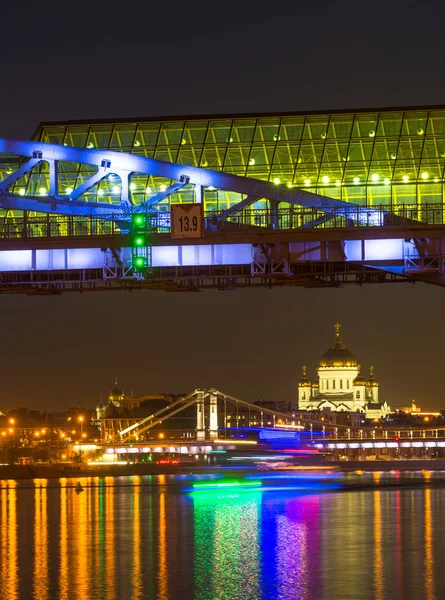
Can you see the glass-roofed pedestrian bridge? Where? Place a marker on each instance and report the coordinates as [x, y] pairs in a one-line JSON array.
[[314, 199]]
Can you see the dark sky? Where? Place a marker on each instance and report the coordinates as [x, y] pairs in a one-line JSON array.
[[79, 60]]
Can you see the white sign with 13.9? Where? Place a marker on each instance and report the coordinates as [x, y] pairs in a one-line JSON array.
[[187, 221]]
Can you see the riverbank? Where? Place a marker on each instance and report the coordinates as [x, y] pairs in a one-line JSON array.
[[75, 470]]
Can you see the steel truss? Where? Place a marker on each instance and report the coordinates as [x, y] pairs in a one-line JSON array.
[[124, 166]]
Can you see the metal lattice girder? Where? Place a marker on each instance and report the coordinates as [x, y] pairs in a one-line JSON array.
[[124, 165]]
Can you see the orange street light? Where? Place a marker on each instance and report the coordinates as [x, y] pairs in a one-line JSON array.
[[11, 421]]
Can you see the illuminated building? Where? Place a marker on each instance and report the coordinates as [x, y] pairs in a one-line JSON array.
[[380, 156], [339, 385]]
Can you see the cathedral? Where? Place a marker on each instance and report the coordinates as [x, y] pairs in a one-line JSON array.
[[339, 385]]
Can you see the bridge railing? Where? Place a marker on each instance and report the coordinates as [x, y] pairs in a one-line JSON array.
[[285, 219]]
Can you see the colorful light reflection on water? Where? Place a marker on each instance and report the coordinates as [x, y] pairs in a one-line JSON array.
[[137, 538]]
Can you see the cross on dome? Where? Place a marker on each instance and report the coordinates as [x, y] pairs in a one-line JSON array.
[[337, 329]]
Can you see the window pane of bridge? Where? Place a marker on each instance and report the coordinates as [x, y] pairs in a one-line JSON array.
[[261, 154], [213, 157], [414, 123], [76, 136], [171, 134], [123, 136], [431, 193], [434, 148], [430, 170], [335, 152], [410, 148], [404, 194], [243, 130], [195, 132], [316, 128], [405, 171], [385, 150], [53, 135], [360, 150], [99, 136], [267, 130], [355, 194], [390, 124], [168, 153], [340, 127], [190, 155], [219, 132], [291, 128], [365, 126], [379, 194], [436, 123], [285, 154], [237, 155], [147, 134]]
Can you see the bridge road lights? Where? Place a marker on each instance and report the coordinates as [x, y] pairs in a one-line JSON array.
[[336, 433], [324, 432], [311, 426], [349, 433], [361, 434]]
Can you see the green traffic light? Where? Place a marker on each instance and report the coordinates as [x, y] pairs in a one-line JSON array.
[[140, 262], [139, 221]]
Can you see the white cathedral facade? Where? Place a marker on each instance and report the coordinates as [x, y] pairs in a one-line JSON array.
[[339, 385]]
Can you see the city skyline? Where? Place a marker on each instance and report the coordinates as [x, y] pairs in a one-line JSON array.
[[62, 351]]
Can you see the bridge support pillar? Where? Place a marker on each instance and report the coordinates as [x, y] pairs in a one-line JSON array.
[[213, 421], [200, 419]]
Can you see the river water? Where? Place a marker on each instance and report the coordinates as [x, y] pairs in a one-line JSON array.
[[148, 538]]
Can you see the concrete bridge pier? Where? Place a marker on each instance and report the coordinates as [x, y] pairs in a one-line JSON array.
[[200, 418], [213, 420]]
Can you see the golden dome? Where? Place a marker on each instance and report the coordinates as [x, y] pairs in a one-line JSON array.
[[338, 355], [359, 379], [304, 381], [371, 381]]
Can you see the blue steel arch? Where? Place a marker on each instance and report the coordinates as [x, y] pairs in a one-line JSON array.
[[124, 165]]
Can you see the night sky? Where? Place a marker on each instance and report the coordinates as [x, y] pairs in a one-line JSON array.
[[64, 61]]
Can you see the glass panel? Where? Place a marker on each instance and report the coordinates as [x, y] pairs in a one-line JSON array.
[[76, 136], [359, 151], [340, 126], [243, 130], [190, 155], [219, 132], [99, 136], [430, 192], [170, 134], [390, 124], [195, 132], [316, 127], [291, 128], [147, 134], [53, 135], [123, 136], [414, 123], [267, 130], [213, 157], [434, 148], [285, 154], [379, 194], [236, 155], [365, 126], [436, 123], [404, 194]]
